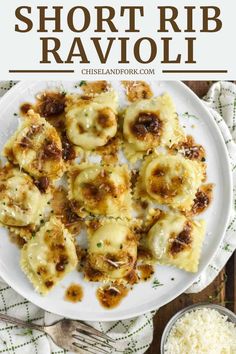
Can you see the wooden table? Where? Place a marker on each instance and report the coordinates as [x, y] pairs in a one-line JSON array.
[[223, 288]]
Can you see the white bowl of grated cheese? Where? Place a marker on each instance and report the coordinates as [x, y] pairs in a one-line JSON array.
[[200, 329]]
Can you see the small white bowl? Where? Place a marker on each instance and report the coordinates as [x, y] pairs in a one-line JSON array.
[[221, 309]]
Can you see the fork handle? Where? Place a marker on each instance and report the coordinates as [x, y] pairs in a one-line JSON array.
[[20, 323]]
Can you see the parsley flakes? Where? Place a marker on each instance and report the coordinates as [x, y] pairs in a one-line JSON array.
[[188, 115], [156, 283], [82, 83]]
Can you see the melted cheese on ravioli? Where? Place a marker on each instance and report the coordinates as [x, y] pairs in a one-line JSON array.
[[151, 123], [48, 256], [20, 200], [91, 121], [176, 240], [171, 180], [36, 147], [100, 190], [112, 250]]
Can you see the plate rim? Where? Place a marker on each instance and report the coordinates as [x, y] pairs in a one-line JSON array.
[[113, 317]]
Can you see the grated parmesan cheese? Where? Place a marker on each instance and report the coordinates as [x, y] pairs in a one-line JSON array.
[[202, 331]]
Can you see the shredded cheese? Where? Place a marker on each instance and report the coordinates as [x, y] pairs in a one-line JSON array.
[[202, 331]]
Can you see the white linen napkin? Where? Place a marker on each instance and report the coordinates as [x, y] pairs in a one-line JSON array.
[[137, 333]]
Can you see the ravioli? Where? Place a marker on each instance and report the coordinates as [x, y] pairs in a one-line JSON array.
[[112, 250], [100, 190], [151, 123], [176, 240], [91, 121], [171, 180], [36, 147], [21, 202], [48, 256]]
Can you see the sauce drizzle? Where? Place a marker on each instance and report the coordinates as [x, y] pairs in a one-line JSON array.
[[145, 271], [94, 87], [74, 293], [137, 90], [110, 296]]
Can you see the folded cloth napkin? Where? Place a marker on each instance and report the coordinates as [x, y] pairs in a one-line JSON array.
[[135, 334]]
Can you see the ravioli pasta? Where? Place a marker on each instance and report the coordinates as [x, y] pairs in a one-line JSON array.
[[100, 190], [21, 201], [36, 147], [91, 121], [151, 123], [177, 241], [48, 256], [171, 180], [112, 250]]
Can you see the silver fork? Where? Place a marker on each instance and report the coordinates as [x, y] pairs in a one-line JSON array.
[[72, 335]]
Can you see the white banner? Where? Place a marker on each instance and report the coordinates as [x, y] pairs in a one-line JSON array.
[[97, 39]]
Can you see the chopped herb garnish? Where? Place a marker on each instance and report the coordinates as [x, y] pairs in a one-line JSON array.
[[33, 234], [99, 244], [156, 283], [188, 115], [227, 248], [82, 83]]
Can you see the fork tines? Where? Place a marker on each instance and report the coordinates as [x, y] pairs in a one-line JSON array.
[[92, 331], [93, 347], [93, 341]]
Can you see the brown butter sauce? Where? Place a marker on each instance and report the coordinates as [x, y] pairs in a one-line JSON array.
[[145, 271], [62, 208], [137, 90], [110, 296], [202, 199], [94, 87], [74, 293], [51, 106], [16, 239], [25, 107]]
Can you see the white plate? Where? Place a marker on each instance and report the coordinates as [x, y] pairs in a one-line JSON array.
[[143, 297]]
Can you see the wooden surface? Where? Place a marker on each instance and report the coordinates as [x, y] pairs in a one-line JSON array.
[[221, 291]]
